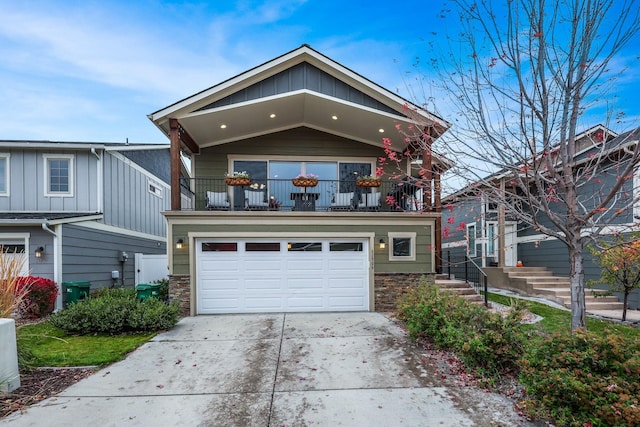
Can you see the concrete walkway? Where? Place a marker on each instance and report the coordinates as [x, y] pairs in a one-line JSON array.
[[633, 316], [329, 369]]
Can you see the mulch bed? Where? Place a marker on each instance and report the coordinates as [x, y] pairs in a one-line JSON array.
[[39, 384]]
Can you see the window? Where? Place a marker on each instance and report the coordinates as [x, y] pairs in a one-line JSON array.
[[402, 246], [4, 174], [491, 239], [155, 189], [58, 175], [471, 240]]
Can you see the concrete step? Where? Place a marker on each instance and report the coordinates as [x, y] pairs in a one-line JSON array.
[[522, 269], [520, 273], [602, 305], [542, 279]]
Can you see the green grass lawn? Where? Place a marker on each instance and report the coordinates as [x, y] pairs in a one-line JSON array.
[[45, 345], [555, 320]]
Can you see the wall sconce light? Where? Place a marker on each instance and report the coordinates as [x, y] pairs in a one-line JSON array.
[[39, 252], [179, 244], [382, 244]]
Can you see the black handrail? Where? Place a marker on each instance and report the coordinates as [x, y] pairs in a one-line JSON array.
[[282, 195], [466, 269]]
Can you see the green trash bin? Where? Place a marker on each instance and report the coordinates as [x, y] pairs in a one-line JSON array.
[[75, 291], [147, 290]]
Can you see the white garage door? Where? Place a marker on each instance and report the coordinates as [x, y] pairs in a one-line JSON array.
[[251, 276]]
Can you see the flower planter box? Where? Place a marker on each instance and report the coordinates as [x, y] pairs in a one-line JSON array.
[[237, 181], [367, 183], [304, 182]]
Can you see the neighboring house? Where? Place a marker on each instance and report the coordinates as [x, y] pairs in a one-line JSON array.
[[80, 211], [269, 245], [471, 222]]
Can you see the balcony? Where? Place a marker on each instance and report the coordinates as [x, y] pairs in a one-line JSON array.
[[213, 194]]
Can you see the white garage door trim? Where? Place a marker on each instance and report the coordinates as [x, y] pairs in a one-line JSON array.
[[268, 275]]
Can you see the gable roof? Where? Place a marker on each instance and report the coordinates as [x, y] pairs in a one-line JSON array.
[[300, 88]]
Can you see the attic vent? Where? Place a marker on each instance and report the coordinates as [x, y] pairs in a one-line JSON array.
[[155, 189]]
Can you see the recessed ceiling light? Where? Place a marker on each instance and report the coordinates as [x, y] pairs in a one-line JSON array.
[[381, 130], [334, 117], [272, 115], [223, 126]]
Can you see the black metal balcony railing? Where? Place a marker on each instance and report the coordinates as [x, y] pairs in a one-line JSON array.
[[282, 195]]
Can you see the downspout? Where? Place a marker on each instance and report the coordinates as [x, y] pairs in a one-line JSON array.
[[57, 276]]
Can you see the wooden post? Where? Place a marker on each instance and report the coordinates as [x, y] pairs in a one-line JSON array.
[[438, 208], [174, 138], [427, 166]]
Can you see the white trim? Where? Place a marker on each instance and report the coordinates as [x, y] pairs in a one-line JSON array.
[[70, 177], [272, 67], [412, 245], [111, 229], [470, 253], [7, 183]]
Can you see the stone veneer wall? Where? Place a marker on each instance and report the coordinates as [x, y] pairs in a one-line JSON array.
[[387, 287], [180, 290]]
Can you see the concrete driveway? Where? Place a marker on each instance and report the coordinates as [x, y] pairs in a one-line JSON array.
[[328, 369]]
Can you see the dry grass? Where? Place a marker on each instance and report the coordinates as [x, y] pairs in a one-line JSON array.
[[10, 268]]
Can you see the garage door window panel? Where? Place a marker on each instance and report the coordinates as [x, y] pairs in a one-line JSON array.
[[304, 246], [220, 247], [345, 247], [262, 247]]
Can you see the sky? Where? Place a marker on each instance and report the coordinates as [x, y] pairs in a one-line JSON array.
[[83, 70]]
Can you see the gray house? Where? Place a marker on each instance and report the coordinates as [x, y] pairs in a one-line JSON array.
[[471, 223], [80, 211]]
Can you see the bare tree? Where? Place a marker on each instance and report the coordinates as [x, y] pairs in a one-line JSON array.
[[518, 81]]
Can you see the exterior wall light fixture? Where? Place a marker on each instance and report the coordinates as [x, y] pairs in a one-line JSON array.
[[382, 244], [179, 244], [39, 252]]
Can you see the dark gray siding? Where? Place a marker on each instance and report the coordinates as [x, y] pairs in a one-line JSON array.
[[92, 255], [157, 162], [298, 77], [554, 255]]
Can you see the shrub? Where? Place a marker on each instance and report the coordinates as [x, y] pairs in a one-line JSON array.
[[116, 311], [482, 339], [40, 298], [164, 289], [585, 379]]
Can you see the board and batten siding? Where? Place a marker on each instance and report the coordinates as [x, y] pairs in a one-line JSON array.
[[27, 183], [128, 203], [91, 255], [287, 225]]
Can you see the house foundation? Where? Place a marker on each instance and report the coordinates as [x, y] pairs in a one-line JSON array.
[[180, 290], [388, 287]]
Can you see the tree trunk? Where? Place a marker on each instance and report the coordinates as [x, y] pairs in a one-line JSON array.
[[624, 304], [578, 311]]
